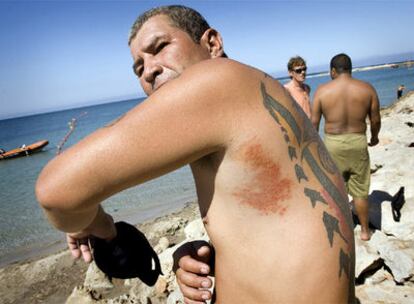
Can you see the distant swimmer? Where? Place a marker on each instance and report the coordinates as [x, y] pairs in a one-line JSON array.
[[346, 102], [400, 91], [297, 87]]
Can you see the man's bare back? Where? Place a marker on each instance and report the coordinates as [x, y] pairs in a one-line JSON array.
[[272, 201], [347, 103]]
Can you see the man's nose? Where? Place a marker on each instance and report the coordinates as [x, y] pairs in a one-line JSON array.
[[151, 71]]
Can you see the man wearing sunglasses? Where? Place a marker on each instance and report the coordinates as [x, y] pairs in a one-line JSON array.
[[271, 200], [297, 87]]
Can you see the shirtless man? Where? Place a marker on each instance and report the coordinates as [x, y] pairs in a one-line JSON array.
[[296, 86], [272, 201], [345, 103]]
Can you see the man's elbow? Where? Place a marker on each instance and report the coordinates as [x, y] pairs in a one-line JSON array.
[[51, 195], [46, 193]]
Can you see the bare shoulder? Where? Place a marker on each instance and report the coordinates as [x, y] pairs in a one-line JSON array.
[[287, 85], [363, 84], [322, 89], [221, 69], [210, 82]]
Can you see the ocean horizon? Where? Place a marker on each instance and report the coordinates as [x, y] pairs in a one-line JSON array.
[[316, 71]]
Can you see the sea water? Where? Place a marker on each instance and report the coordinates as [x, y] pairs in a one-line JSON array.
[[23, 227]]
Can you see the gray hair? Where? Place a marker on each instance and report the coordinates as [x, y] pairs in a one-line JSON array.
[[184, 18]]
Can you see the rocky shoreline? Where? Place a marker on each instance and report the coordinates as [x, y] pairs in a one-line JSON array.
[[384, 266]]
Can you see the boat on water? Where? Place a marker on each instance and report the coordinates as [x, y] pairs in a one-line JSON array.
[[24, 150]]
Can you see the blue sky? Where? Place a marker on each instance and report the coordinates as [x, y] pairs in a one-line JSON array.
[[62, 54]]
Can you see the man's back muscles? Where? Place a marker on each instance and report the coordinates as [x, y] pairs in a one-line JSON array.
[[345, 102]]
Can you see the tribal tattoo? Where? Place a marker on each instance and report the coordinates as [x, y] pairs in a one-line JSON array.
[[320, 165]]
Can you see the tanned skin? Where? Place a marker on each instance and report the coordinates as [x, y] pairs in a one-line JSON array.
[[346, 103], [273, 204], [299, 89]]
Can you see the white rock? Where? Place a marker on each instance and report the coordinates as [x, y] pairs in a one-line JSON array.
[[364, 259], [401, 264], [380, 276], [175, 298], [195, 230], [163, 244], [399, 261], [81, 295], [386, 292], [96, 279], [166, 227]]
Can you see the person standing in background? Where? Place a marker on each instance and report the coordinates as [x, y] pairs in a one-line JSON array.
[[297, 87], [400, 91], [345, 103]]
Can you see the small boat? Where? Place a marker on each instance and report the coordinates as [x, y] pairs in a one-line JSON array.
[[24, 150]]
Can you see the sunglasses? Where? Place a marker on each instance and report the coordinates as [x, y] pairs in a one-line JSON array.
[[300, 70]]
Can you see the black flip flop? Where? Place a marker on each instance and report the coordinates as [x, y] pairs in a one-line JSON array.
[[128, 255]]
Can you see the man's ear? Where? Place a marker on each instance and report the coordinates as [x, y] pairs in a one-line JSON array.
[[212, 40], [333, 73]]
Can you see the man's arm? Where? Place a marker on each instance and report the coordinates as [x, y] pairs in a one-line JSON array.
[[316, 110], [375, 119], [177, 125]]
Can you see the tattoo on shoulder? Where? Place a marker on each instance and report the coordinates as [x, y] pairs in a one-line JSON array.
[[322, 167]]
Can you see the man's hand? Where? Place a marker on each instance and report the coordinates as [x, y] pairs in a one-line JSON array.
[[374, 141], [193, 261], [80, 243]]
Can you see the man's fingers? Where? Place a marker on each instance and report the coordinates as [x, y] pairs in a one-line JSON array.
[[193, 280], [73, 247], [193, 294], [86, 252], [190, 249], [188, 301], [189, 264], [205, 253], [79, 248]]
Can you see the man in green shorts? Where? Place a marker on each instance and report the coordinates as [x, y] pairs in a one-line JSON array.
[[345, 103]]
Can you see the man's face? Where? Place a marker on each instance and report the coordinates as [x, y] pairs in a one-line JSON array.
[[161, 52], [298, 73]]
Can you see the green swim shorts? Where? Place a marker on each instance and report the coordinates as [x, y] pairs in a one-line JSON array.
[[350, 154]]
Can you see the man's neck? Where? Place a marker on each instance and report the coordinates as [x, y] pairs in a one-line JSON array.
[[343, 76], [297, 84]]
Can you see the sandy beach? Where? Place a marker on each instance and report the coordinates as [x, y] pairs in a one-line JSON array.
[[385, 265]]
